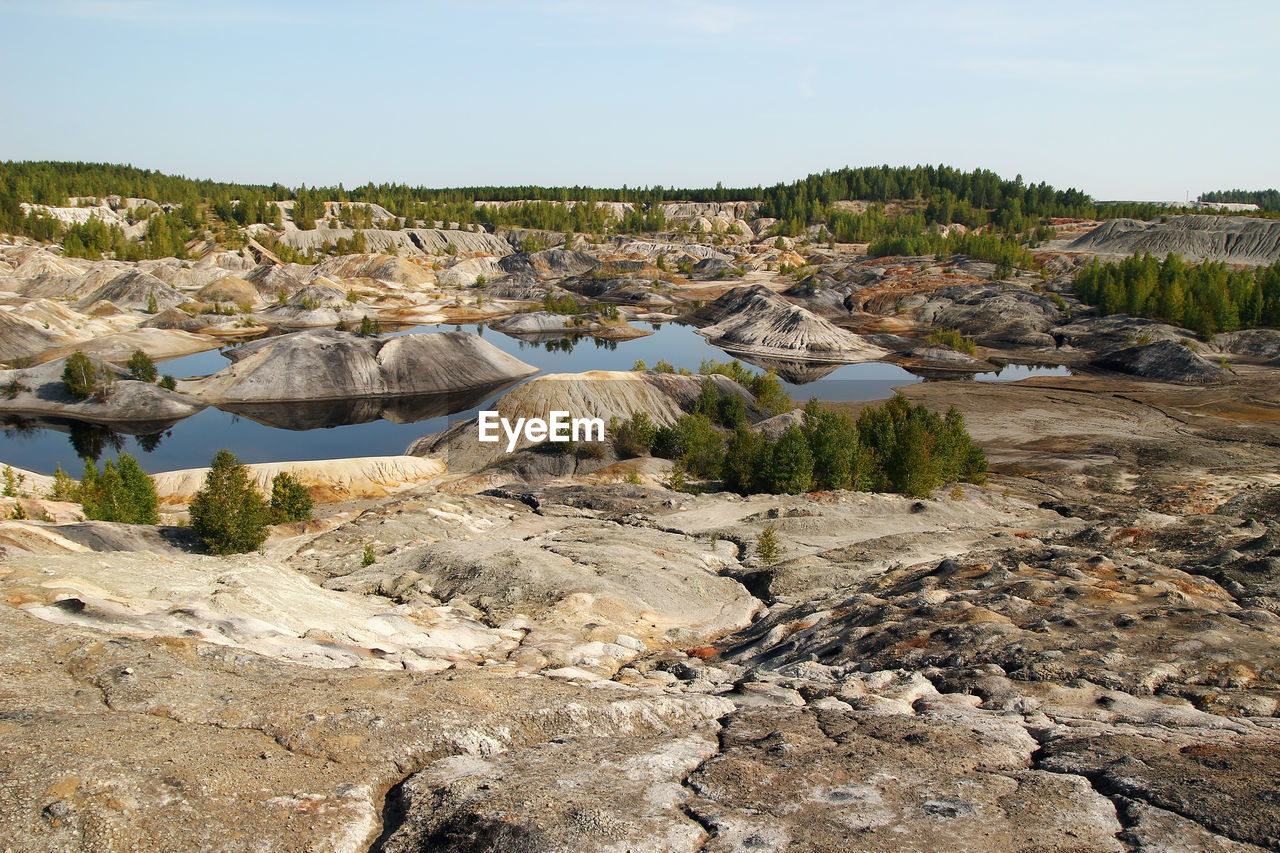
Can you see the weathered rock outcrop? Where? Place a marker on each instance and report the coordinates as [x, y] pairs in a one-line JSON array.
[[229, 288], [1236, 239], [135, 289], [333, 365], [40, 391], [754, 320], [326, 480], [551, 263], [995, 313], [1163, 360], [543, 323]]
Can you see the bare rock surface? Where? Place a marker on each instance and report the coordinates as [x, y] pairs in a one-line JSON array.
[[1164, 360], [753, 320], [326, 480], [1236, 239]]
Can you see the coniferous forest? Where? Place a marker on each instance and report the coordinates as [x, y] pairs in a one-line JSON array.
[[1207, 297], [940, 195]]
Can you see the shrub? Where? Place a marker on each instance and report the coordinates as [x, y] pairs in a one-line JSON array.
[[228, 513], [368, 558], [13, 388], [953, 338], [634, 436], [13, 483], [168, 383], [289, 499], [64, 488], [142, 366]]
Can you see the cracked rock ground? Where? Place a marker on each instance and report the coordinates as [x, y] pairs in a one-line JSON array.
[[1081, 655]]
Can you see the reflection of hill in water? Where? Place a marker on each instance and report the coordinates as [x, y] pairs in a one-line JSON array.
[[333, 413], [560, 342], [794, 372]]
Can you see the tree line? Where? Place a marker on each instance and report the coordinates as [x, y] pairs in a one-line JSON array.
[[895, 447], [973, 198], [1207, 298], [1265, 199]]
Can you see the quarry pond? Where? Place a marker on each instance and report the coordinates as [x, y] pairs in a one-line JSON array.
[[43, 445]]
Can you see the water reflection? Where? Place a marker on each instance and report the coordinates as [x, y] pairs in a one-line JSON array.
[[325, 414], [387, 426], [88, 440]]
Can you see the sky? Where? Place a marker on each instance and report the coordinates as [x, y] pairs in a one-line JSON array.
[[1124, 100]]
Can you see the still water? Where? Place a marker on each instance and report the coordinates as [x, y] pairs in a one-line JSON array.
[[191, 443]]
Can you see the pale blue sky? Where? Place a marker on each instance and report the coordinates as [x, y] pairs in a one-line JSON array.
[[1120, 99]]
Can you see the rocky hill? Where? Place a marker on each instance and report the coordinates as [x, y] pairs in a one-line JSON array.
[[312, 366], [1235, 239], [755, 321]]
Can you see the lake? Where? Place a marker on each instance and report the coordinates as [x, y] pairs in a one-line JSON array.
[[192, 442]]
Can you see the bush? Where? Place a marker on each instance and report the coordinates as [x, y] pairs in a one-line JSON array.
[[121, 492], [368, 558], [228, 513], [635, 436], [64, 488], [13, 483], [168, 383], [80, 376], [13, 388], [289, 499], [953, 338], [142, 366]]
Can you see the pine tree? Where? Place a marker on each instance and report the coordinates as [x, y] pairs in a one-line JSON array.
[[63, 488], [769, 548], [122, 492], [228, 513]]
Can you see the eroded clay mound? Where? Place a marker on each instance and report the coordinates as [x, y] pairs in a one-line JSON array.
[[1237, 239], [332, 365], [755, 320]]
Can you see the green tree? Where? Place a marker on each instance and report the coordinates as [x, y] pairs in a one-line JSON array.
[[140, 500], [142, 366], [13, 482], [80, 376], [289, 499], [63, 488], [769, 547], [744, 460], [122, 492], [228, 513], [791, 463]]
